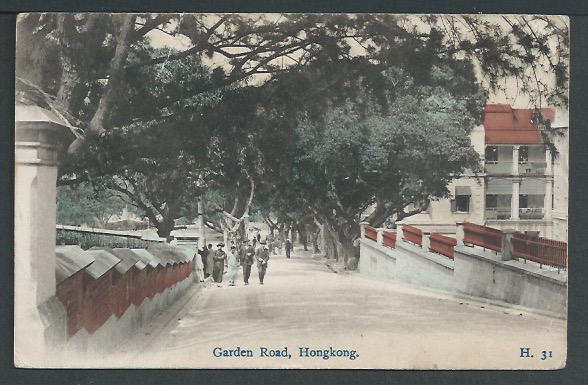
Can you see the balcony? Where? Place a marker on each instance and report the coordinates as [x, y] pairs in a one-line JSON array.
[[525, 168], [498, 167], [532, 168], [531, 213], [503, 213], [498, 213]]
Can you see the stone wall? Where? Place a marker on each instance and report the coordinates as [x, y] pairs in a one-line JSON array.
[[472, 271], [108, 294], [482, 274]]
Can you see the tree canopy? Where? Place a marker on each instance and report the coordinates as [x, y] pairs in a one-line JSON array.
[[331, 113]]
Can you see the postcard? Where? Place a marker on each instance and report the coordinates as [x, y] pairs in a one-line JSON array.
[[337, 191]]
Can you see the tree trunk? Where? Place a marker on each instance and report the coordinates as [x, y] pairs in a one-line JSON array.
[[115, 80], [379, 215], [165, 227], [286, 233], [343, 242], [70, 78], [330, 248], [226, 240], [315, 237], [303, 239], [281, 233]]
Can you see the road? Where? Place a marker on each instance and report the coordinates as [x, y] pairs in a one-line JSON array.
[[303, 304]]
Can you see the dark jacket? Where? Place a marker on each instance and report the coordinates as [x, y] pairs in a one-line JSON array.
[[262, 257], [219, 257], [247, 255]]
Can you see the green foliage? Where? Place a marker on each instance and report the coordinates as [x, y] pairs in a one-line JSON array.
[[353, 109], [86, 204], [401, 152]]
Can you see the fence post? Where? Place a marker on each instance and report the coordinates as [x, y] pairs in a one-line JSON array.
[[39, 136], [380, 236], [399, 233], [362, 226], [426, 241], [459, 233], [507, 245]]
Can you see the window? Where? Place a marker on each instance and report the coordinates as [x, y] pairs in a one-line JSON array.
[[461, 203], [523, 154], [523, 201], [491, 154], [491, 201]]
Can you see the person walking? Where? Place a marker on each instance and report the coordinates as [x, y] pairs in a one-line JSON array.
[[219, 264], [199, 260], [262, 258], [288, 248], [247, 254], [233, 263], [209, 264]]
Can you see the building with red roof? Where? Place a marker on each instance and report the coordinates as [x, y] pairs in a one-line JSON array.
[[523, 187]]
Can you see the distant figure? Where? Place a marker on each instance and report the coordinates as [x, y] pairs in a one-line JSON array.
[[199, 260], [262, 258], [247, 260], [219, 264], [233, 265], [209, 264], [270, 244], [279, 243], [288, 248], [258, 237]]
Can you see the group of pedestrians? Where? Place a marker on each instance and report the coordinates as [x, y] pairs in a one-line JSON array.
[[244, 255]]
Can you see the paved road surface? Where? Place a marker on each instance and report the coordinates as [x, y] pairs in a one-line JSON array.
[[303, 304]]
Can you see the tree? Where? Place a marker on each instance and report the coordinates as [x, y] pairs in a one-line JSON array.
[[93, 49], [394, 153], [87, 204], [308, 64]]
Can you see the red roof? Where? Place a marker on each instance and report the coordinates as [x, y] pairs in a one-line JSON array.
[[506, 125]]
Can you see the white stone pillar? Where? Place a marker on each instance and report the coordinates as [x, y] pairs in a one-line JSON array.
[[548, 199], [507, 246], [548, 162], [380, 236], [514, 201], [459, 234], [426, 241], [38, 136], [362, 227], [515, 160], [399, 233]]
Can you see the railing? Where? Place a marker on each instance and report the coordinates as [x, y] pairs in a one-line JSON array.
[[389, 239], [524, 168], [532, 168], [441, 244], [499, 213], [90, 237], [531, 213], [483, 236], [501, 168], [412, 234], [541, 250], [371, 233]]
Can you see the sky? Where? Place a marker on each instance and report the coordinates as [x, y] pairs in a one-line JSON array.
[[511, 95]]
